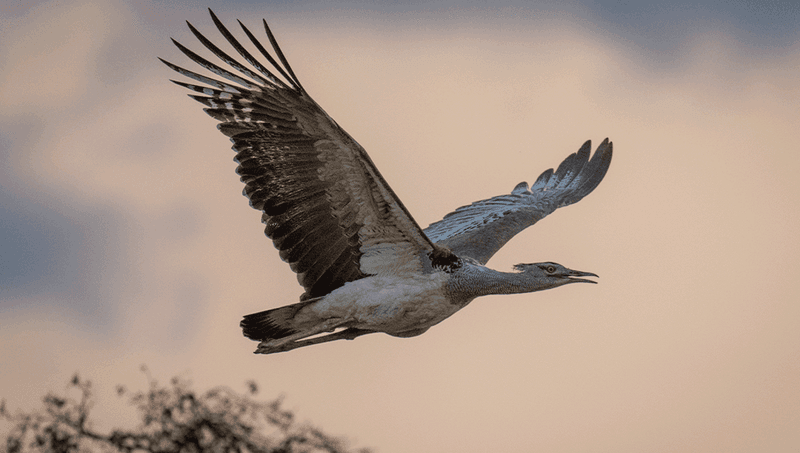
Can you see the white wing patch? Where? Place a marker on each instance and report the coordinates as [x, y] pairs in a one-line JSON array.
[[390, 259]]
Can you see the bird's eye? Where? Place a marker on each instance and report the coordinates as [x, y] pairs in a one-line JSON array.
[[550, 269]]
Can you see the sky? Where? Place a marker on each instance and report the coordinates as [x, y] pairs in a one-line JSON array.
[[125, 240]]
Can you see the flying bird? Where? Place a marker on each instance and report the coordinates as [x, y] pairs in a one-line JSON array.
[[364, 262]]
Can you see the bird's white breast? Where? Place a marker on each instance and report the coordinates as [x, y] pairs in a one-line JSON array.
[[390, 303]]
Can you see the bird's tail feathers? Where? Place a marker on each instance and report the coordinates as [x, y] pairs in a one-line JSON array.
[[278, 322]]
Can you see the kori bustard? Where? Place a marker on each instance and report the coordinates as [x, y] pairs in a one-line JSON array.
[[364, 262]]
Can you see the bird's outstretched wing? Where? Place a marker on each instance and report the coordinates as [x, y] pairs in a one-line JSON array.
[[479, 230], [325, 205]]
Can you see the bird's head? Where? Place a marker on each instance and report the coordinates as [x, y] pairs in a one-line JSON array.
[[554, 274]]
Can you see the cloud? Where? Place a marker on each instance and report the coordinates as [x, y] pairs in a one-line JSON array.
[[81, 138]]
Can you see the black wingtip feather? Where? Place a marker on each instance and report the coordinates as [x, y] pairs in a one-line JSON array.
[[283, 59], [269, 57], [244, 53]]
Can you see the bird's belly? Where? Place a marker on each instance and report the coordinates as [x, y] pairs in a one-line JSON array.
[[390, 304]]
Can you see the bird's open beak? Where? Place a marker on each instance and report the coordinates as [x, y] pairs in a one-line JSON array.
[[573, 274]]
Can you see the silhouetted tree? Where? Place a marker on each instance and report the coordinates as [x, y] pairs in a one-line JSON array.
[[173, 419]]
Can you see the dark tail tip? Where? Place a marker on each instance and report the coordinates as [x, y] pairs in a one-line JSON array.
[[261, 326]]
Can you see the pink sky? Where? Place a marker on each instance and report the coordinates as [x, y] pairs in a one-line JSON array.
[[690, 342]]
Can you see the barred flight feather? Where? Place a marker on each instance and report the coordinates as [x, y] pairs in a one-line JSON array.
[[480, 229], [325, 206]]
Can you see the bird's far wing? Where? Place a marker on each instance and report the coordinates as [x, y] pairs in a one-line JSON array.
[[325, 205], [479, 230]]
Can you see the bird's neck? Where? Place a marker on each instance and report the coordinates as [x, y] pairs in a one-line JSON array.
[[478, 281]]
